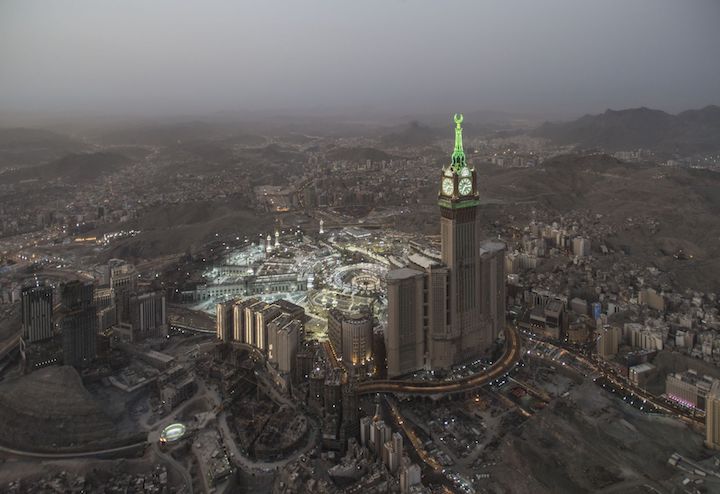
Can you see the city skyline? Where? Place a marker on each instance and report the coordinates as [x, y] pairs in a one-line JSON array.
[[334, 247]]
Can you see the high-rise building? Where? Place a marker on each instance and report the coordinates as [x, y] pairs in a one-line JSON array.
[[688, 388], [332, 392], [78, 323], [410, 475], [288, 340], [581, 246], [122, 275], [350, 411], [608, 341], [379, 435], [335, 320], [351, 336], [404, 339], [492, 288], [239, 319], [712, 417], [123, 282], [262, 318], [394, 452], [75, 295], [148, 316], [458, 200], [274, 327], [224, 317], [365, 425], [37, 313], [315, 389], [249, 326], [450, 309]]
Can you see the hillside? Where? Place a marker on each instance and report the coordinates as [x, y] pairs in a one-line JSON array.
[[683, 203], [411, 135], [76, 168], [21, 147], [689, 132], [174, 228], [358, 154], [50, 410]]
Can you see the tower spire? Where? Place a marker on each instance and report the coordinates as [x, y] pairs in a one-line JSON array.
[[458, 156]]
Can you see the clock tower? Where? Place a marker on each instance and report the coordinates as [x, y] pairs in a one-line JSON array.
[[458, 200], [448, 310]]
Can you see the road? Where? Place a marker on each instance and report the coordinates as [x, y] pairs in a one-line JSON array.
[[510, 357], [9, 345], [602, 368], [412, 436], [68, 456], [175, 465]]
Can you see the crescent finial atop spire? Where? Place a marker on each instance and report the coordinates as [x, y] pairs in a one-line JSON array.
[[458, 156]]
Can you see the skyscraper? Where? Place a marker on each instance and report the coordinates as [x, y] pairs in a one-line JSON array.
[[458, 200], [37, 313], [224, 320], [350, 415], [148, 316], [351, 336], [712, 417], [458, 301], [404, 340], [123, 282], [78, 323]]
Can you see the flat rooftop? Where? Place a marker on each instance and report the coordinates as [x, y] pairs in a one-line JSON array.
[[403, 274], [492, 246]]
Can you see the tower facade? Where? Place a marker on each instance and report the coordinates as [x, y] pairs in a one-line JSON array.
[[455, 304], [404, 336], [37, 313], [458, 200], [78, 323], [712, 417]]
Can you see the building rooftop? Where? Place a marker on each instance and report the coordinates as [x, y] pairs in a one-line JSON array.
[[491, 246], [554, 306], [403, 274], [423, 261], [644, 367]]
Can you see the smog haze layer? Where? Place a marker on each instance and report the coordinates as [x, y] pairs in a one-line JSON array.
[[559, 58]]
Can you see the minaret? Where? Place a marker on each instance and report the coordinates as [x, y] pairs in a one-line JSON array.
[[277, 235], [321, 227], [268, 244]]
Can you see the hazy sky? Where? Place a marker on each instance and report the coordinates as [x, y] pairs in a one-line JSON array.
[[173, 56]]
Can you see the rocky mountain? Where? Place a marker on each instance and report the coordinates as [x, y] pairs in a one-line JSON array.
[[75, 168], [20, 147], [689, 132]]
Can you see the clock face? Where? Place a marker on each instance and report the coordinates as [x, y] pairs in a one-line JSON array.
[[465, 186], [447, 186]]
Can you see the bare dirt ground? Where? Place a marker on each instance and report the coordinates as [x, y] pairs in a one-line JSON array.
[[591, 442]]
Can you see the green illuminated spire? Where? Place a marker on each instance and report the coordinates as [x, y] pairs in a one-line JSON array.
[[458, 156]]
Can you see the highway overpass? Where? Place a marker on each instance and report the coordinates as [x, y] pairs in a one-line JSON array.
[[511, 355]]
